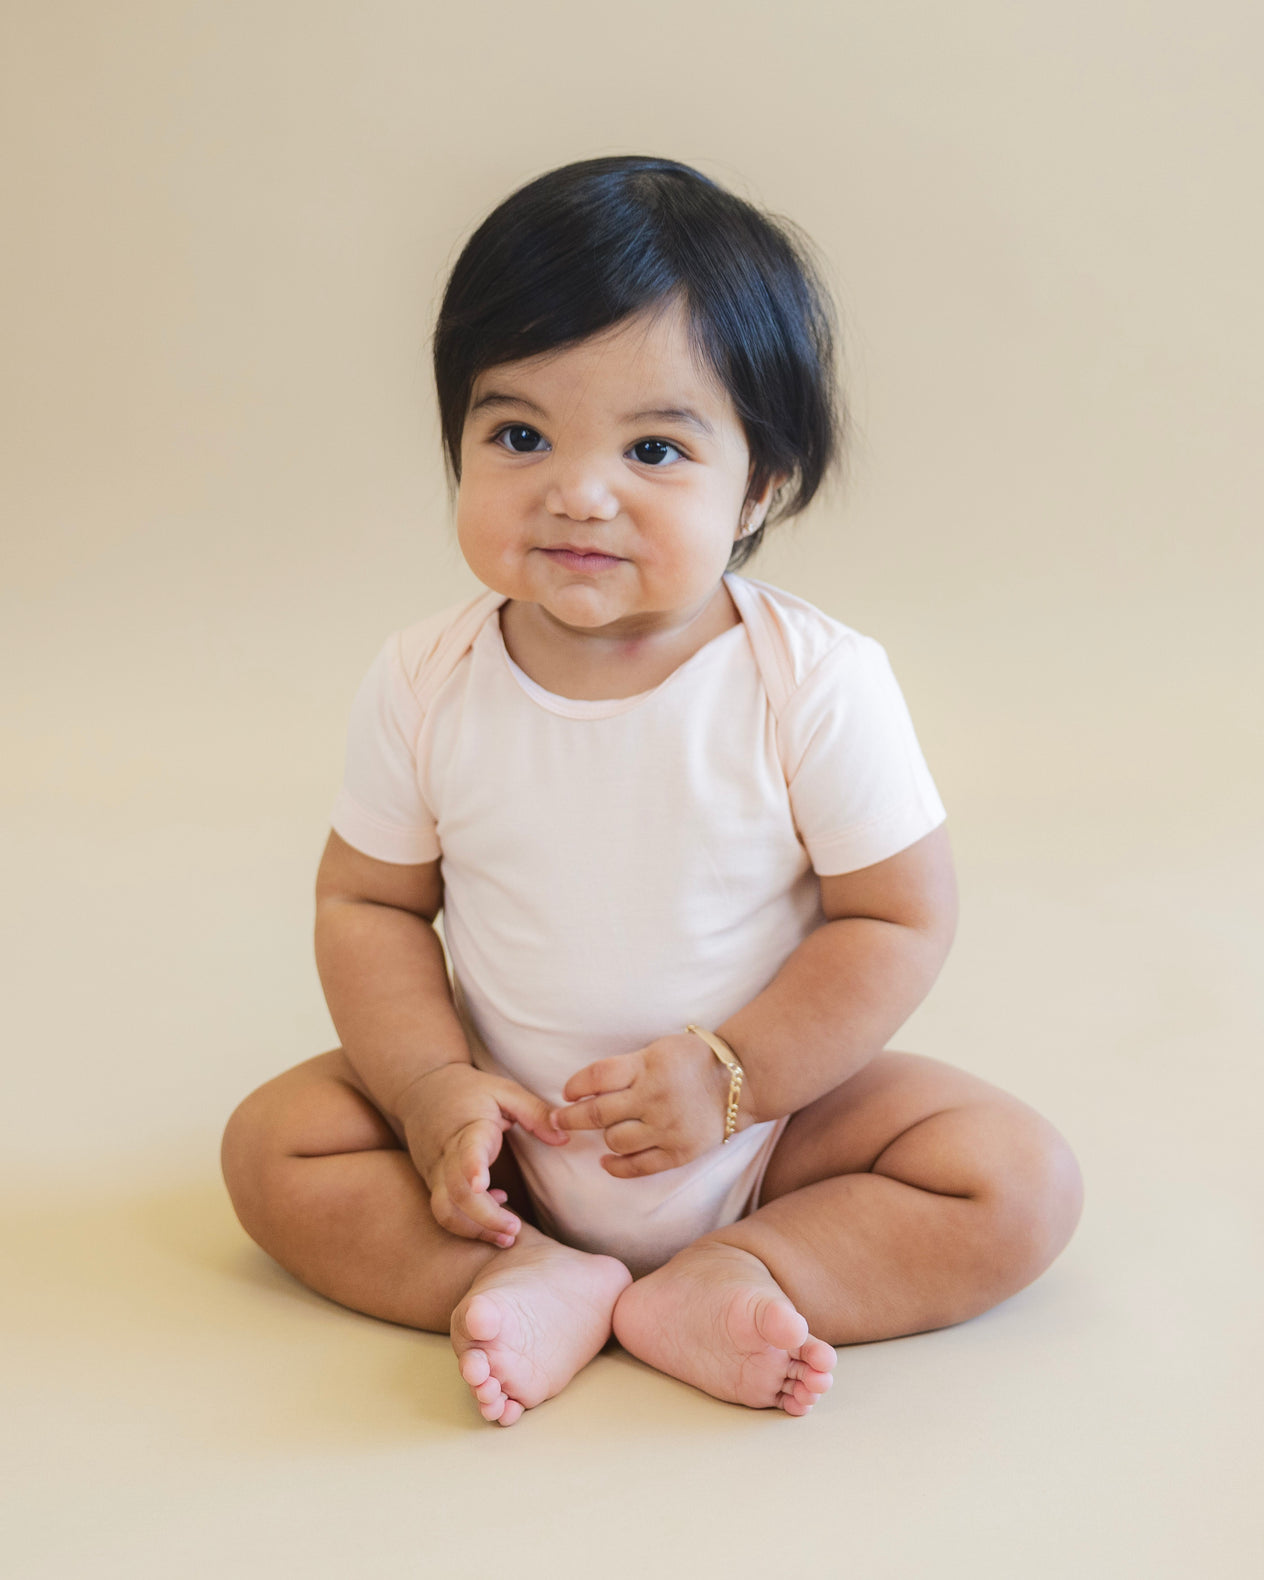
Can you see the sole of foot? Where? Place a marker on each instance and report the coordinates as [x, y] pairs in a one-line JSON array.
[[533, 1317], [715, 1318]]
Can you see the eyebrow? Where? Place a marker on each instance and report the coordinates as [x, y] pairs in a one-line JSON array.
[[690, 418], [682, 414], [498, 398]]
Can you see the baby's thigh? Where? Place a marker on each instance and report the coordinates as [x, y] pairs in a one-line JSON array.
[[317, 1108], [850, 1129], [320, 1108]]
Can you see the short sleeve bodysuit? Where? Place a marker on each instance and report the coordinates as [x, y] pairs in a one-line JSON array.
[[614, 870]]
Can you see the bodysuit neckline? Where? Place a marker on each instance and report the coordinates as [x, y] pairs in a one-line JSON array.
[[603, 707]]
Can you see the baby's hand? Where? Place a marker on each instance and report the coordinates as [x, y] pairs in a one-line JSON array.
[[659, 1107], [455, 1120]]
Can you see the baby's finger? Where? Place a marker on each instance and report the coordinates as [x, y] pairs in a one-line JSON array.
[[450, 1217], [596, 1113], [529, 1111], [614, 1074], [467, 1178], [471, 1224], [476, 1146], [469, 1230], [652, 1161], [488, 1219], [629, 1136]]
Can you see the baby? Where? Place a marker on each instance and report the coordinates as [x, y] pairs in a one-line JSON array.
[[692, 867]]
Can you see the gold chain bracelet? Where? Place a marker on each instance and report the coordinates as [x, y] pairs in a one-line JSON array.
[[737, 1075]]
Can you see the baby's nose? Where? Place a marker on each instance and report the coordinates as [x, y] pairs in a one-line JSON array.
[[582, 494]]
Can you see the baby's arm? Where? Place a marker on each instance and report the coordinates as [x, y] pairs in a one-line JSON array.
[[386, 983], [834, 1004], [850, 986]]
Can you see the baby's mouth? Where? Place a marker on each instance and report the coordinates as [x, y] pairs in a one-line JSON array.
[[581, 559]]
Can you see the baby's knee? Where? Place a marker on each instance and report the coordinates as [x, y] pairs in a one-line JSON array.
[[273, 1139], [1036, 1197], [248, 1154]]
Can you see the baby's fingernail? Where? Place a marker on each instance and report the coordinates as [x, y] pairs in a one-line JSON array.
[[504, 1241]]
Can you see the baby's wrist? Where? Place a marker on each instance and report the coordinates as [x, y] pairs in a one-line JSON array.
[[423, 1091], [747, 1110], [730, 1081]]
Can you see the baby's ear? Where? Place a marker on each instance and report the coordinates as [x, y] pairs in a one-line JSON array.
[[760, 493]]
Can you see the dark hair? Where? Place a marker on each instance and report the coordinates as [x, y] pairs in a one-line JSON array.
[[584, 247]]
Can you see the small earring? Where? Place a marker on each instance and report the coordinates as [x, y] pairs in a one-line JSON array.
[[747, 527]]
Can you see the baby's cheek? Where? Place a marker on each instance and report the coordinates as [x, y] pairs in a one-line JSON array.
[[489, 550]]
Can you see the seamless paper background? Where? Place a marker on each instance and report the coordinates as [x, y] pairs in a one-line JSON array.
[[226, 229]]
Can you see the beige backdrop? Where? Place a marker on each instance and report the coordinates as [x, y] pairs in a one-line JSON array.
[[226, 226]]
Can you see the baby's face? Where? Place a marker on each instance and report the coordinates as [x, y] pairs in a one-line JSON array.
[[604, 482]]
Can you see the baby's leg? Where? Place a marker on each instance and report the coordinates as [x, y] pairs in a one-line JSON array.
[[320, 1180], [911, 1197]]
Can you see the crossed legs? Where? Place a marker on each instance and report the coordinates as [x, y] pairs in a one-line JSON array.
[[912, 1197]]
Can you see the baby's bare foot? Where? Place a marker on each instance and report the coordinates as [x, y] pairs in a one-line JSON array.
[[715, 1317], [536, 1314]]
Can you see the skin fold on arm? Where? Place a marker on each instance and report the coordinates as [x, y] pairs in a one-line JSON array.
[[849, 987], [382, 968]]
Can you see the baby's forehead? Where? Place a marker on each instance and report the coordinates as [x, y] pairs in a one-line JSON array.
[[651, 359]]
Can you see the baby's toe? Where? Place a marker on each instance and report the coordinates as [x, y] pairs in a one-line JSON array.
[[481, 1318], [488, 1390], [495, 1408], [821, 1357], [475, 1367], [779, 1324], [816, 1382], [510, 1413], [805, 1383], [793, 1406]]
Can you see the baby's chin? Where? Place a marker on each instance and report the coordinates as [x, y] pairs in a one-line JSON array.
[[608, 625], [594, 612]]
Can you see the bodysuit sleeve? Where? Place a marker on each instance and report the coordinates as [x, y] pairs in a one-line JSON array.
[[859, 786], [380, 809]]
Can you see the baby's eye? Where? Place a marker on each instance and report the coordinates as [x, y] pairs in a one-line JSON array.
[[519, 438], [654, 452]]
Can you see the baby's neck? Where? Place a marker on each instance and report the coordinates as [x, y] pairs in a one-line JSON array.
[[593, 666]]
